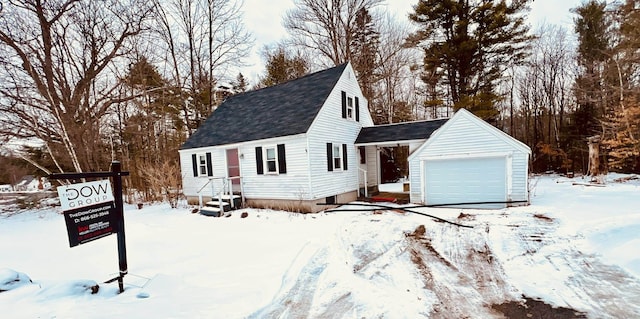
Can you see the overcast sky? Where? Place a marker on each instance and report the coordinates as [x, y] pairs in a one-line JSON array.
[[264, 20]]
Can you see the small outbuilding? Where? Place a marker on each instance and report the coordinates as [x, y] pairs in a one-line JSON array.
[[468, 161]]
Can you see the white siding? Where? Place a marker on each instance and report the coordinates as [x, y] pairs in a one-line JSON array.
[[191, 185], [330, 127], [293, 185], [372, 165], [467, 136], [416, 180]]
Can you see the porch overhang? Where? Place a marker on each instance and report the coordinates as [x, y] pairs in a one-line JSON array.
[[391, 143], [398, 133]]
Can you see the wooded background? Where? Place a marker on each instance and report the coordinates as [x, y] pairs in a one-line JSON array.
[[85, 82]]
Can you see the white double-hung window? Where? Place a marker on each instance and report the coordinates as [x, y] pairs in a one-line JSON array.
[[350, 108], [271, 160], [202, 164], [337, 157]]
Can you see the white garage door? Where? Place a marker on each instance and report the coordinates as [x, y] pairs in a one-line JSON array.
[[468, 180]]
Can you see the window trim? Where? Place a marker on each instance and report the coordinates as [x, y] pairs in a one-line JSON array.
[[266, 160], [350, 108], [336, 159], [280, 160], [202, 164]]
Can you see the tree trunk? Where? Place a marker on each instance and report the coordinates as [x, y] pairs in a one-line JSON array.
[[594, 157]]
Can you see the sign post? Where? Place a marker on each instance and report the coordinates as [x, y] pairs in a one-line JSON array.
[[92, 211]]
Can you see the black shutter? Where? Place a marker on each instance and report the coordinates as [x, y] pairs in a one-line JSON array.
[[329, 157], [194, 162], [259, 164], [209, 165], [363, 155], [344, 104], [282, 160], [344, 156], [357, 110]]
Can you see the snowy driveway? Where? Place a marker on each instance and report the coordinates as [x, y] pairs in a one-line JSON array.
[[571, 254]]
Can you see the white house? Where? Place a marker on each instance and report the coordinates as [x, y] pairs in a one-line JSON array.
[[288, 146], [312, 140]]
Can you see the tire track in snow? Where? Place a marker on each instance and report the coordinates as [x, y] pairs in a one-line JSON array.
[[459, 268], [442, 271], [560, 273]]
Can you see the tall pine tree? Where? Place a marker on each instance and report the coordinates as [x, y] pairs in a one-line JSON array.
[[364, 52], [472, 42], [593, 28], [622, 123]]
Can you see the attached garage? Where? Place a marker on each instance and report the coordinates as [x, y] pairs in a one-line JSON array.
[[477, 181], [469, 163]]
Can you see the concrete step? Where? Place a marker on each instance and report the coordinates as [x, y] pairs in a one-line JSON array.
[[210, 211]]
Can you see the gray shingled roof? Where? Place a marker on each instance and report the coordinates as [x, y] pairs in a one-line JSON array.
[[285, 109], [399, 132]]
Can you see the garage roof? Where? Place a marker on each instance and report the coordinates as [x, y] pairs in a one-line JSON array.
[[407, 131]]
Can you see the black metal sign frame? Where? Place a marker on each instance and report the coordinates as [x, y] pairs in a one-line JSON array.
[[114, 211]]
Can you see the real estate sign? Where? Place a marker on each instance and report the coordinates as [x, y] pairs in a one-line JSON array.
[[89, 211]]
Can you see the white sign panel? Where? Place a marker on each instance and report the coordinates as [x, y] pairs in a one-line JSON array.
[[85, 194]]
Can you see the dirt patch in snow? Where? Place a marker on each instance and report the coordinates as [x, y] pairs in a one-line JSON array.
[[464, 216], [458, 267], [543, 217], [535, 309]]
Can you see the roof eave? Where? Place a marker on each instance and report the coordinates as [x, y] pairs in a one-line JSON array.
[[392, 142]]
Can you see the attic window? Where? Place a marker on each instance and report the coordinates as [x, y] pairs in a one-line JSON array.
[[350, 108]]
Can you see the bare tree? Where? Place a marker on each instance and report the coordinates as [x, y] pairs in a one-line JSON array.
[[56, 68], [201, 40], [393, 72], [326, 26]]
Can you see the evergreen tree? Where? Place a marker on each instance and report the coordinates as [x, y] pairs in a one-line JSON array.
[[283, 66], [593, 28], [152, 125], [472, 42], [622, 123], [240, 85], [364, 49]]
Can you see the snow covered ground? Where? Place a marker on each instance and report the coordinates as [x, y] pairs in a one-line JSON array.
[[575, 248]]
